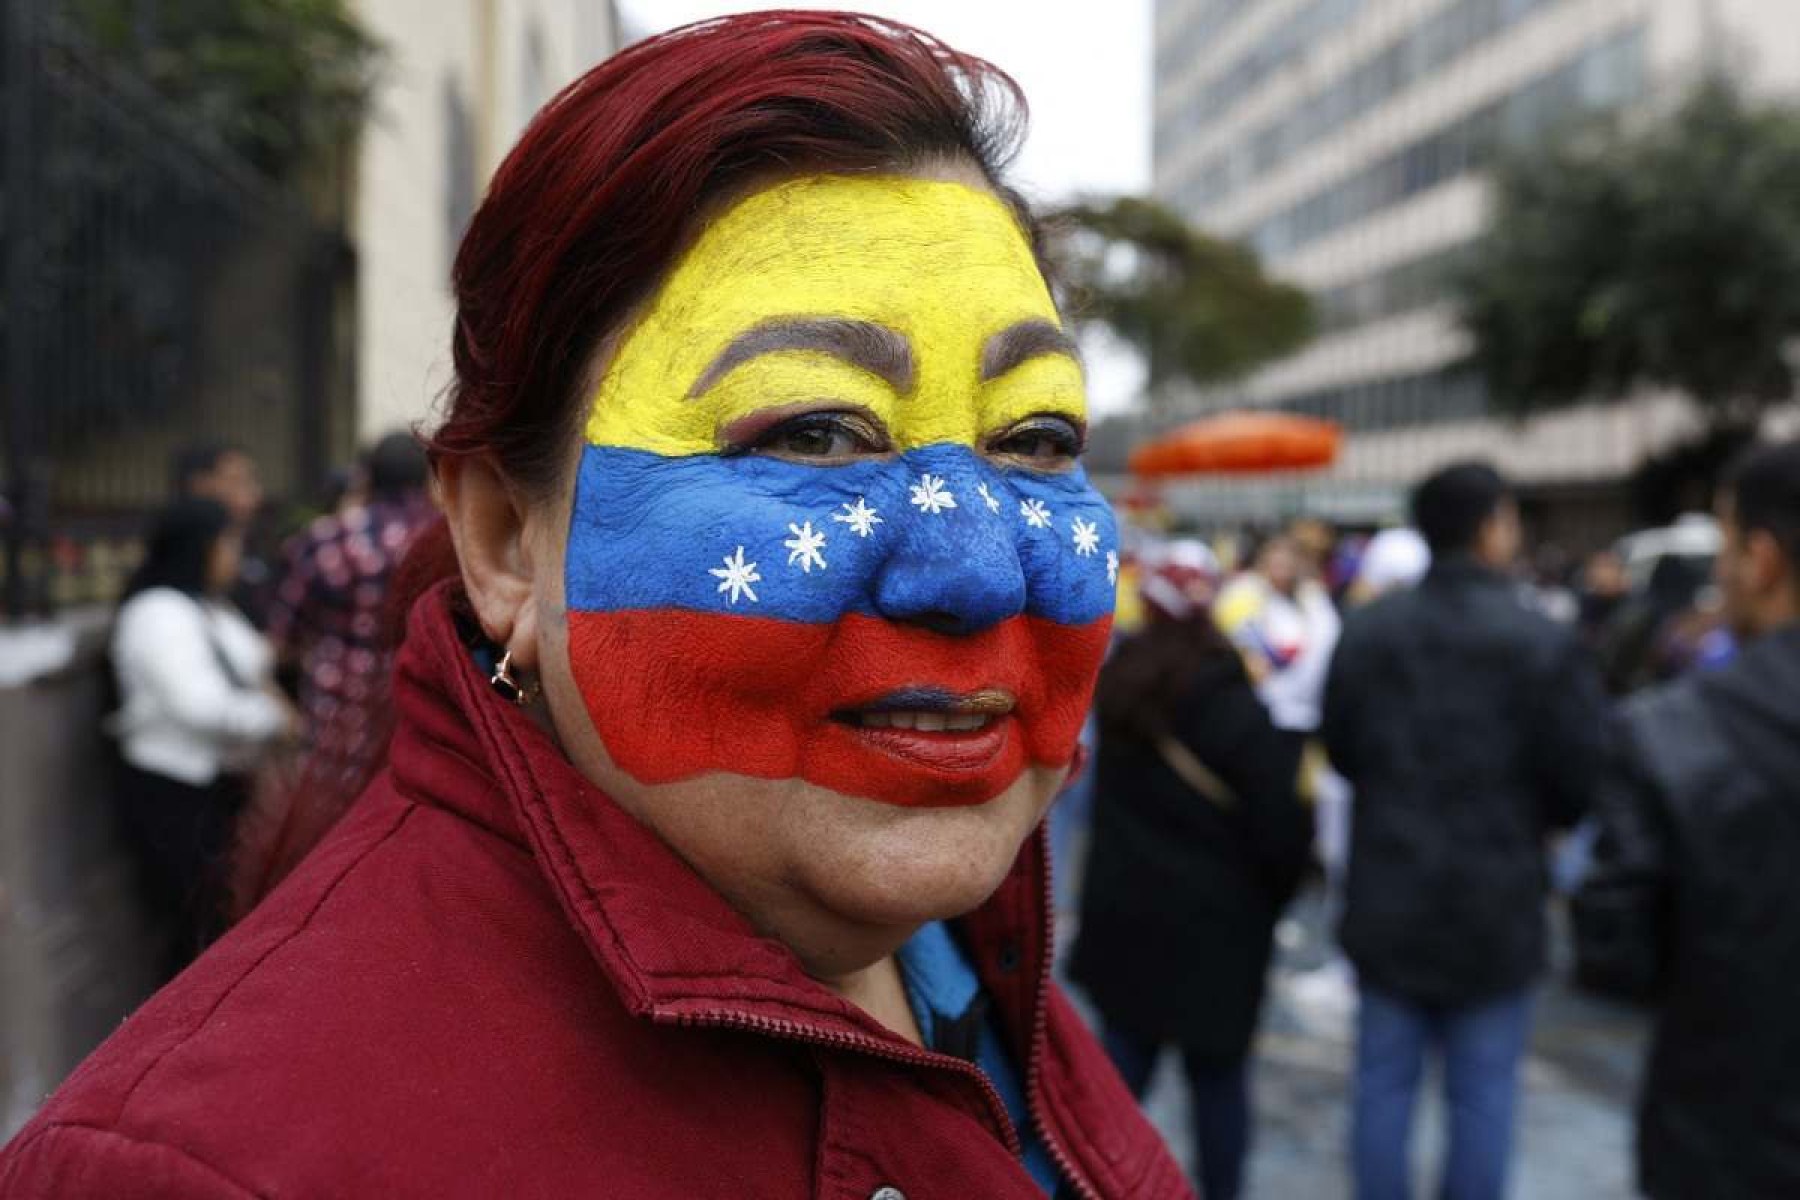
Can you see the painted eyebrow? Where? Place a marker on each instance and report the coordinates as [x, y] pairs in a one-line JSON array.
[[1018, 344], [875, 348]]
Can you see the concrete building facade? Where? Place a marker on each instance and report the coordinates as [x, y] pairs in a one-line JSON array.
[[463, 80], [1346, 140]]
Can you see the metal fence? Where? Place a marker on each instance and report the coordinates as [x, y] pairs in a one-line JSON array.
[[156, 291]]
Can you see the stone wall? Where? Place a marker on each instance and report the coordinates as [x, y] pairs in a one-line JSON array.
[[75, 957]]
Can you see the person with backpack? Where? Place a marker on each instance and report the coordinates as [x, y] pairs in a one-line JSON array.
[[1199, 841]]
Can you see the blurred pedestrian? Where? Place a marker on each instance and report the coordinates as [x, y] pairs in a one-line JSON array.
[[1604, 588], [1694, 899], [1548, 590], [1316, 540], [226, 473], [1698, 638], [1199, 841], [1634, 652], [197, 709], [1345, 565], [1280, 615], [221, 472], [1282, 619], [327, 621], [1470, 728], [1394, 558]]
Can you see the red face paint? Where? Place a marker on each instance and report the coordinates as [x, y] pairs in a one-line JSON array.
[[687, 693]]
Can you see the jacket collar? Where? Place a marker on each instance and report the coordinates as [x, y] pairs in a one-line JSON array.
[[670, 945]]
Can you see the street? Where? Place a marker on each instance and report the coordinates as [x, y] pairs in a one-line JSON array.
[[1574, 1138]]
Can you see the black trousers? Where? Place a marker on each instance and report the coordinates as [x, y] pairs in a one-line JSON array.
[[181, 835]]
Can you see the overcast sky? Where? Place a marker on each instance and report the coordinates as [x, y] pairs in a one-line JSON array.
[[1085, 68]]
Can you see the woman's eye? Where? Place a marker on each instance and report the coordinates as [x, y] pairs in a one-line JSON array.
[[820, 436], [814, 442], [1041, 442]]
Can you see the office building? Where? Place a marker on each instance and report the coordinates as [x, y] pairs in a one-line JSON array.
[[1346, 140]]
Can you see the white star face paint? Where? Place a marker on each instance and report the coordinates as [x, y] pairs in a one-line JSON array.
[[736, 576], [805, 547], [859, 517]]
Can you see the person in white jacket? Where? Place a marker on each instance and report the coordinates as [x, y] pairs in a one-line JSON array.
[[198, 709]]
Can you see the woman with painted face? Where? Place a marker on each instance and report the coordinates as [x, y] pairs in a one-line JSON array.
[[1199, 842], [707, 860]]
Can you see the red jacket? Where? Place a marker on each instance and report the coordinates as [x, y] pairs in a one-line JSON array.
[[490, 981]]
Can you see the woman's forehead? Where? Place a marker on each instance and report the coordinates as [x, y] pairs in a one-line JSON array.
[[943, 264], [925, 291], [889, 242]]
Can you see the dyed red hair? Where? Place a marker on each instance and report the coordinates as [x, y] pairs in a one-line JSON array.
[[590, 209]]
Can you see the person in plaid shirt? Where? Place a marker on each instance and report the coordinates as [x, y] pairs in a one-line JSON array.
[[327, 621]]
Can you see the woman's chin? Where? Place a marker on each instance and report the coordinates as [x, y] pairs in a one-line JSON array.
[[842, 879], [881, 866]]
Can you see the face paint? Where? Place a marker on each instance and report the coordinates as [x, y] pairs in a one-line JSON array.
[[760, 616]]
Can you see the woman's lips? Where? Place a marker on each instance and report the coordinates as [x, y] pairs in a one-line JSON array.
[[963, 750], [934, 728]]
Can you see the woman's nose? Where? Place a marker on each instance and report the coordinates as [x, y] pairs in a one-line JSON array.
[[959, 590], [955, 571]]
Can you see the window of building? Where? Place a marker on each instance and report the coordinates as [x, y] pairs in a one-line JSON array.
[[1420, 52], [1604, 76], [1208, 18], [1439, 397], [1281, 47], [1403, 287]]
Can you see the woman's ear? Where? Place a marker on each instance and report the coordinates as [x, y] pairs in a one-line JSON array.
[[489, 522]]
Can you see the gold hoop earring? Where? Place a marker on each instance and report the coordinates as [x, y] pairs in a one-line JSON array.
[[509, 687]]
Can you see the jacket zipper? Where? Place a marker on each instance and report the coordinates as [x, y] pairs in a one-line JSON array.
[[1040, 1031], [796, 1031]]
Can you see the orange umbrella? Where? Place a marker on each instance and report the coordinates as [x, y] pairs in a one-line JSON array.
[[1240, 443]]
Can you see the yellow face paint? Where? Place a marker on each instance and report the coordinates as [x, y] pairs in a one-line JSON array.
[[943, 265]]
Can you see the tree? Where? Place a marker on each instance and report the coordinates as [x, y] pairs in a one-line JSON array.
[[1198, 309], [285, 84], [1665, 254]]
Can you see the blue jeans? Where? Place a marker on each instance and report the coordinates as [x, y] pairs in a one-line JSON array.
[[1481, 1047], [1218, 1100]]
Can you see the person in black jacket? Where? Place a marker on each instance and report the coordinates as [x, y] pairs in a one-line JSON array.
[[1199, 840], [1695, 895], [1470, 728]]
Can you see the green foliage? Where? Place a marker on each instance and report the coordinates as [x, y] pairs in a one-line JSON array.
[[283, 83], [1197, 308], [1667, 254]]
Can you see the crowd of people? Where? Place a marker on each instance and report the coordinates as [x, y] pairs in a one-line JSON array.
[[1465, 728], [244, 681], [702, 732]]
